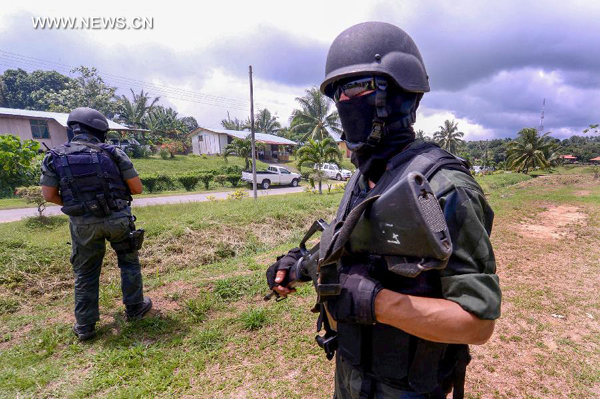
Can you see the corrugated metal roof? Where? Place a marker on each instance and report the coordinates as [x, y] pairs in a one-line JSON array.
[[57, 116], [260, 137]]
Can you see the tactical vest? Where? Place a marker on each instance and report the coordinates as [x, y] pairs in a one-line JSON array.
[[383, 352], [90, 179]]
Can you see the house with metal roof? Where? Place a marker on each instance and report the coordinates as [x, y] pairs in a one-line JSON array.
[[211, 141], [340, 143], [49, 128]]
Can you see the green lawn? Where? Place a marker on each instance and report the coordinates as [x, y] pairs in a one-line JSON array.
[[212, 335]]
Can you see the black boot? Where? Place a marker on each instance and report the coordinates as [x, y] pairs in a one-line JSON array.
[[85, 332], [137, 311]]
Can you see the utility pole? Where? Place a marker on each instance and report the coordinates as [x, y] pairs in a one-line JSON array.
[[252, 133], [541, 128]]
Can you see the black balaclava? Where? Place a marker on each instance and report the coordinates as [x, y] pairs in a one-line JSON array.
[[84, 129], [358, 115]]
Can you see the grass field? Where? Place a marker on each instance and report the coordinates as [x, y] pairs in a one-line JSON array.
[[188, 163], [212, 335]]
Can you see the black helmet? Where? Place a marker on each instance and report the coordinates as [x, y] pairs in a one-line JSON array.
[[88, 117], [375, 48]]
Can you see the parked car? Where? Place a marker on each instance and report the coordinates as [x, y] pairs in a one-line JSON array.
[[333, 171], [125, 143], [273, 175]]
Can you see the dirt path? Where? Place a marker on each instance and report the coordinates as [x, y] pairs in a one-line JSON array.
[[12, 215]]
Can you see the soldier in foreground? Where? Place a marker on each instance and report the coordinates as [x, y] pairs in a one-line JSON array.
[[93, 182], [400, 327]]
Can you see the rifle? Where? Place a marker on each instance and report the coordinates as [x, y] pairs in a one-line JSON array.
[[306, 268], [405, 225]]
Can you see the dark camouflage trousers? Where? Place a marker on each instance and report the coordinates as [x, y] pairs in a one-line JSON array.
[[89, 247], [350, 384]]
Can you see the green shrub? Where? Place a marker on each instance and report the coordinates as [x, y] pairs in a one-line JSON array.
[[149, 182], [221, 179], [206, 178], [18, 163], [231, 169], [139, 151], [305, 175], [156, 183], [33, 195], [164, 182], [188, 181], [164, 153], [234, 179]]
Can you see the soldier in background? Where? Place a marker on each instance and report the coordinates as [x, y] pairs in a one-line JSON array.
[[93, 183]]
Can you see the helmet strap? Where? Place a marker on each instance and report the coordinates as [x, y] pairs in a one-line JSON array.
[[378, 128]]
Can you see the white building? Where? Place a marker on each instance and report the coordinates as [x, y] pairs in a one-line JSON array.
[[49, 128], [211, 141]]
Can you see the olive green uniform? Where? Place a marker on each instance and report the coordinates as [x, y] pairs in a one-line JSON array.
[[88, 238], [469, 279]]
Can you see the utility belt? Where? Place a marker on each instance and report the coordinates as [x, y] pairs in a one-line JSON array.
[[100, 206], [132, 243]]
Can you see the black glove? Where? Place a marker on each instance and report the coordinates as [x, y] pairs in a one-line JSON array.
[[284, 262], [356, 302]]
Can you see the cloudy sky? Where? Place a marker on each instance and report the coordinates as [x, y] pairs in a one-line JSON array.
[[491, 64]]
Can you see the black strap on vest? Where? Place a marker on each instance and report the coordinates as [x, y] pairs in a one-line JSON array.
[[427, 159]]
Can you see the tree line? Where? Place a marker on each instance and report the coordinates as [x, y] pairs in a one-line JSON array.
[[40, 90]]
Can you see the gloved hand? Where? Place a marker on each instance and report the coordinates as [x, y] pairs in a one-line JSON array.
[[284, 262], [356, 302]]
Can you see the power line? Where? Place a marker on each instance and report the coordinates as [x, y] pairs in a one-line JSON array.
[[151, 88], [174, 90], [152, 91]]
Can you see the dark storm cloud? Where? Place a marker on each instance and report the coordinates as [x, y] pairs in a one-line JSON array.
[[274, 54], [464, 41], [484, 60]]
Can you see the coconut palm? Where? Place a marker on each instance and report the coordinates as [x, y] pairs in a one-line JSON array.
[[529, 151], [232, 124], [420, 134], [264, 122], [313, 119], [133, 113], [448, 137], [317, 153], [241, 148], [165, 121]]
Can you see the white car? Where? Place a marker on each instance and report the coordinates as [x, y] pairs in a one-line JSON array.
[[332, 171], [273, 175]]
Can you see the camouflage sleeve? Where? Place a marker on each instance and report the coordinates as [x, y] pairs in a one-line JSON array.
[[49, 177], [125, 165], [470, 278]]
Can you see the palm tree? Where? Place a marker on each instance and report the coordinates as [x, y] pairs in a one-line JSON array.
[[420, 134], [133, 113], [313, 119], [448, 137], [317, 153], [232, 124], [264, 122], [165, 121], [529, 151], [241, 148]]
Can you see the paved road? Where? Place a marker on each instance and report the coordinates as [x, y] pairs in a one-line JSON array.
[[12, 215]]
